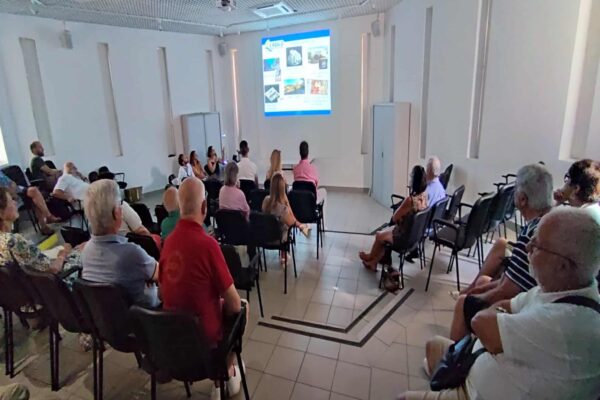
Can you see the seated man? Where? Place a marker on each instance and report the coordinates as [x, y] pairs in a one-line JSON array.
[[39, 168], [194, 276], [435, 190], [44, 216], [108, 257], [306, 172], [533, 198], [230, 196], [171, 204], [248, 169], [538, 347], [72, 185]]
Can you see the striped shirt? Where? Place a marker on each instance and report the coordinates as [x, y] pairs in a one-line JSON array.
[[518, 264]]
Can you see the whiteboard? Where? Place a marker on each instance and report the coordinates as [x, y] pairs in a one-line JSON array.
[[201, 130]]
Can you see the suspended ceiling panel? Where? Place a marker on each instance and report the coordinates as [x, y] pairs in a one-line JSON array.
[[191, 16]]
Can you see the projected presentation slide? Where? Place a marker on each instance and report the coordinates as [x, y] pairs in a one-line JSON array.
[[297, 74]]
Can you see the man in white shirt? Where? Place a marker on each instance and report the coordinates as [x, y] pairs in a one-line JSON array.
[[536, 347], [72, 185], [247, 169]]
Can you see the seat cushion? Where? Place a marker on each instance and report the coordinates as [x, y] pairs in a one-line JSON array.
[[446, 237]]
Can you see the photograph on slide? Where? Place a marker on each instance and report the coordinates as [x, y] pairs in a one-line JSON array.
[[294, 56], [294, 86], [272, 93]]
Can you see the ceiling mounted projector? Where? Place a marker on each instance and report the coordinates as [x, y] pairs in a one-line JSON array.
[[226, 5]]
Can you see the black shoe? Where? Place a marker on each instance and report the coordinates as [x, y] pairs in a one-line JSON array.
[[411, 256]]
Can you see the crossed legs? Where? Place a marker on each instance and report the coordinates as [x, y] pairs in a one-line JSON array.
[[382, 237]]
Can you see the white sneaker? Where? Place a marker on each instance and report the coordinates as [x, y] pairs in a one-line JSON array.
[[235, 382], [215, 394], [454, 294]]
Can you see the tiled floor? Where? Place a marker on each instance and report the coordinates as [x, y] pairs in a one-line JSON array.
[[282, 365]]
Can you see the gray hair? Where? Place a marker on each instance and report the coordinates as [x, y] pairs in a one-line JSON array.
[[575, 234], [434, 165], [100, 201], [535, 182], [231, 174]]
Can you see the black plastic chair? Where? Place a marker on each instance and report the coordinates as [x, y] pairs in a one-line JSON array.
[[256, 199], [144, 212], [74, 236], [174, 343], [306, 210], [62, 308], [15, 298], [455, 202], [309, 186], [243, 278], [247, 186], [445, 176], [504, 197], [212, 186], [105, 309], [266, 235], [145, 242], [267, 184], [414, 241], [460, 236], [161, 213], [119, 177], [16, 174], [232, 227]]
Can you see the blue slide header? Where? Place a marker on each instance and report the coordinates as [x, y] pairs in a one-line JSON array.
[[297, 36]]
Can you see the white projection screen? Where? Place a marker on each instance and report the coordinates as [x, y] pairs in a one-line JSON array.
[[297, 74]]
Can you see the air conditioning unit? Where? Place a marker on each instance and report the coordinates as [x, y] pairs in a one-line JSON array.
[[273, 10], [226, 5]]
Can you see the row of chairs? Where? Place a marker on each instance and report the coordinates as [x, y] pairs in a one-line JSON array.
[[162, 341]]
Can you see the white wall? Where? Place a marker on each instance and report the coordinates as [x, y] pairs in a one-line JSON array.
[[74, 94], [529, 61], [335, 140]]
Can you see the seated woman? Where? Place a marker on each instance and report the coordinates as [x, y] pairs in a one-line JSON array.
[[25, 252], [230, 196], [185, 169], [212, 162], [196, 165], [402, 219], [274, 168], [277, 204]]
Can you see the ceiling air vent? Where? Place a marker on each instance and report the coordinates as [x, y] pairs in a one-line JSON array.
[[273, 10]]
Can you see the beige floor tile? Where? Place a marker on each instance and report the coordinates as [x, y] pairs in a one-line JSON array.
[[317, 371], [293, 341], [323, 296], [266, 335], [343, 299], [352, 380], [325, 348], [362, 301], [273, 388], [304, 392], [386, 385], [252, 379], [417, 383], [418, 333], [256, 354], [394, 359], [415, 361], [285, 363], [347, 285], [367, 355], [388, 332], [337, 396], [339, 316], [317, 313]]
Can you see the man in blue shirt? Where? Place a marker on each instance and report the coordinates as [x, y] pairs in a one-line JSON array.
[[435, 190]]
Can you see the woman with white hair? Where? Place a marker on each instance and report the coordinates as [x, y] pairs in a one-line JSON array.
[[231, 196]]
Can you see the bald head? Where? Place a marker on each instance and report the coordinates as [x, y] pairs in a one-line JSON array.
[[68, 167], [170, 200], [191, 199]]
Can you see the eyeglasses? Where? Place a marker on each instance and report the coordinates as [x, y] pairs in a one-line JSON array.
[[533, 245]]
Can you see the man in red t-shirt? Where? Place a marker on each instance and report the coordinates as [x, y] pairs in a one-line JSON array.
[[194, 276]]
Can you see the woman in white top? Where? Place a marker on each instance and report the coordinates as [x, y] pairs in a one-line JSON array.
[[185, 169]]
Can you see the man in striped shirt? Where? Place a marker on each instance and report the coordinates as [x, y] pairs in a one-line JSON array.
[[533, 198]]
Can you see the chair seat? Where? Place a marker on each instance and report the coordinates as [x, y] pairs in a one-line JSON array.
[[129, 345], [446, 236], [245, 278]]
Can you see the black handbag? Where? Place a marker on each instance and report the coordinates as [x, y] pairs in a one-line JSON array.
[[452, 370]]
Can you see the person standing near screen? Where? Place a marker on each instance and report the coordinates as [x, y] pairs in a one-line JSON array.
[[307, 172], [247, 169], [212, 162]]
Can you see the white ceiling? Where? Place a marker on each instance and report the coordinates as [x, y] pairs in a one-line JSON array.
[[191, 16]]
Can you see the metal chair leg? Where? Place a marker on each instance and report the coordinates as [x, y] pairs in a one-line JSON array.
[[153, 386], [457, 274], [318, 237], [100, 368], [11, 346], [222, 388], [285, 273], [95, 363], [294, 260], [430, 268], [243, 375], [262, 314], [187, 389]]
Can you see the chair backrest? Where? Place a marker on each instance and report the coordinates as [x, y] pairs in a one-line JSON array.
[[50, 164], [58, 300], [74, 236], [477, 220], [499, 205], [232, 227], [28, 174], [93, 176], [256, 199], [304, 205], [212, 186], [145, 242], [455, 203], [15, 173], [267, 184], [418, 227], [445, 176], [265, 229], [174, 343], [305, 185], [232, 258], [105, 308], [161, 213], [437, 211], [247, 186], [14, 295], [144, 212]]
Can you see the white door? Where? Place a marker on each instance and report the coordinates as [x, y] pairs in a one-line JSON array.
[[383, 142]]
